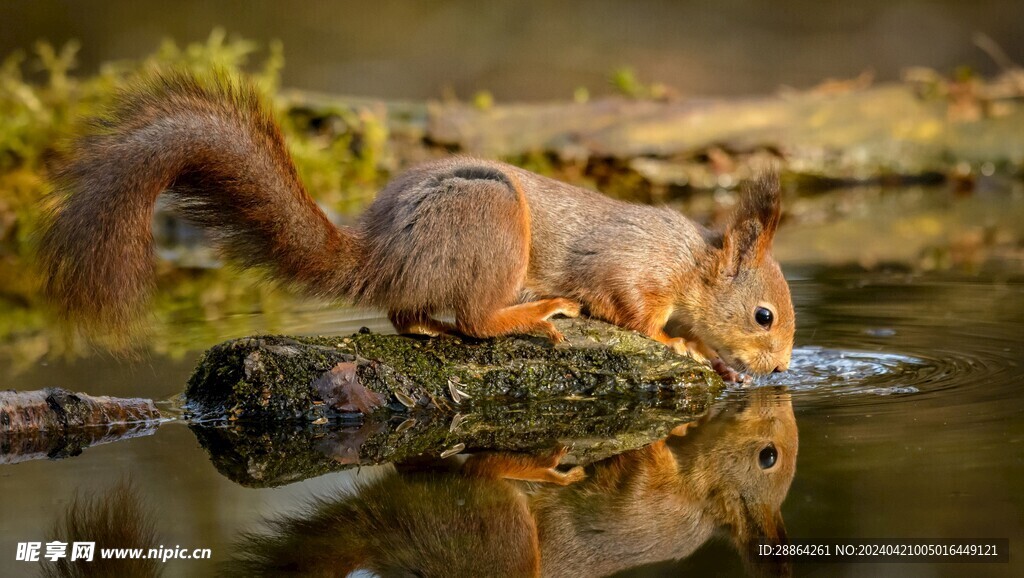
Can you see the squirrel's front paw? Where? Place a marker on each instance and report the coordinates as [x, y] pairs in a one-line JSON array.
[[728, 373], [683, 347], [700, 354]]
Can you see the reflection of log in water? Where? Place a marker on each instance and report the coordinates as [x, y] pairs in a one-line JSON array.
[[729, 471], [56, 423], [261, 456]]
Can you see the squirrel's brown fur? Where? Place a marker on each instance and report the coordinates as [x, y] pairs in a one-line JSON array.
[[500, 248]]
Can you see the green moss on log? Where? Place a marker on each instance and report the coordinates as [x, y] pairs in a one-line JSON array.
[[272, 378]]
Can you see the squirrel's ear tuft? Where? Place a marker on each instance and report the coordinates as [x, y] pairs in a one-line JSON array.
[[748, 237]]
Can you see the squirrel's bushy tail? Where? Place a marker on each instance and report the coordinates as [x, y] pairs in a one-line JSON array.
[[213, 146]]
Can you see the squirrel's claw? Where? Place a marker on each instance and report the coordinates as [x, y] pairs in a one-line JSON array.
[[696, 351], [554, 459], [728, 373], [553, 334]]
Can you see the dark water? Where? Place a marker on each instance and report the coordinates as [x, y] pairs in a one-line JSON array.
[[904, 390]]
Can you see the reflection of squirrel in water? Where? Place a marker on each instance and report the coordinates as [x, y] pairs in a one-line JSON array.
[[117, 518], [728, 472], [501, 248]]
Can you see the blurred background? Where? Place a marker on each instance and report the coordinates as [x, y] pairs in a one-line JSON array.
[[902, 234], [537, 50]]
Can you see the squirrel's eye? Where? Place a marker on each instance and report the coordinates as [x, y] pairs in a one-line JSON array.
[[763, 317], [767, 457]]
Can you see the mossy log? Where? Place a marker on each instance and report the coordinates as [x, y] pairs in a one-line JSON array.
[[55, 422], [274, 410], [314, 379]]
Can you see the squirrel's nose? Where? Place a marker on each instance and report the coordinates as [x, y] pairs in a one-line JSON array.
[[778, 370]]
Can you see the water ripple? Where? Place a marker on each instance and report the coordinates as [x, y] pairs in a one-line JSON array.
[[850, 372], [870, 376]]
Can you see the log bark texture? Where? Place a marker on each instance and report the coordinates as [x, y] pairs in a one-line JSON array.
[[59, 410], [56, 423], [312, 379]]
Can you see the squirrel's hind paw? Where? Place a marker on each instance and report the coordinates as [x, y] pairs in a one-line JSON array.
[[576, 474], [566, 307], [554, 459]]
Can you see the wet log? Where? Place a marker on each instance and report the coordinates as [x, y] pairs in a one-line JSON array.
[[55, 423], [56, 409], [315, 379]]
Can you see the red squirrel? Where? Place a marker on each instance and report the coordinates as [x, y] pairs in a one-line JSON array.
[[499, 248]]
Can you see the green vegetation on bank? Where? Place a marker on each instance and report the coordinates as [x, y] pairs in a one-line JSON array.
[[42, 104]]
